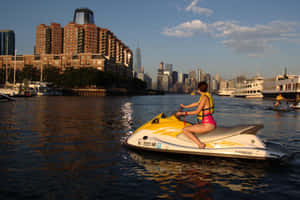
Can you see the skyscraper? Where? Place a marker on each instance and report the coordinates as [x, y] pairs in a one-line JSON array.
[[7, 42], [200, 75], [83, 16], [137, 61]]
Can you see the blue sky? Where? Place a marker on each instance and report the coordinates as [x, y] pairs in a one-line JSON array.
[[229, 37]]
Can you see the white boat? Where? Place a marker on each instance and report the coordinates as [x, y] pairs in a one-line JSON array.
[[164, 134], [286, 85], [11, 92], [296, 106], [251, 88], [226, 92]]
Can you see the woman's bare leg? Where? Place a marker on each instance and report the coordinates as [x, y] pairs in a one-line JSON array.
[[197, 129]]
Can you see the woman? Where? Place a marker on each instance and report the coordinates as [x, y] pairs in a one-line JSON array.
[[278, 99], [204, 112]]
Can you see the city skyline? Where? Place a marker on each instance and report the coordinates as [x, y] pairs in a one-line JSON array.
[[229, 38]]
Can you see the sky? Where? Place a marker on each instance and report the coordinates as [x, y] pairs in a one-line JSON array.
[[232, 37]]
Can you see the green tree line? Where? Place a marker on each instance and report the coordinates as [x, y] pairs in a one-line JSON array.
[[74, 78]]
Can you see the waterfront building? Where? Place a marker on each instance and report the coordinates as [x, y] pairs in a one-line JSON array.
[[251, 88], [49, 39], [80, 38], [79, 44], [148, 80], [7, 42]]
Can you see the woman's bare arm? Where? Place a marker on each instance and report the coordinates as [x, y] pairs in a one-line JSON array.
[[190, 105], [198, 110], [200, 107]]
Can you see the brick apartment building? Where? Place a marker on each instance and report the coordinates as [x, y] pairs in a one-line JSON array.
[[79, 44]]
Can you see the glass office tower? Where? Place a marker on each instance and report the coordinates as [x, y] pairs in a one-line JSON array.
[[83, 16], [7, 42]]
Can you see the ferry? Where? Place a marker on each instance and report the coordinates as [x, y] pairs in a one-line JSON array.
[[251, 88], [286, 85]]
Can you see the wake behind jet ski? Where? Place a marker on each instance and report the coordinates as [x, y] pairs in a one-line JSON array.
[[164, 134]]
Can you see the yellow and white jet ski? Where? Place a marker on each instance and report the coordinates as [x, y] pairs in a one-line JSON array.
[[164, 134]]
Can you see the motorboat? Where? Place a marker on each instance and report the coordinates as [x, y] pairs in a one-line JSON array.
[[164, 134], [297, 106], [6, 97], [281, 109]]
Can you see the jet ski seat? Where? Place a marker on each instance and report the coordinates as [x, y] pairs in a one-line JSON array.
[[224, 132]]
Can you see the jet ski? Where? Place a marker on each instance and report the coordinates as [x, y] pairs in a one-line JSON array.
[[164, 134], [297, 106]]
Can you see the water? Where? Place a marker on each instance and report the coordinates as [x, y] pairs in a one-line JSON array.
[[70, 148]]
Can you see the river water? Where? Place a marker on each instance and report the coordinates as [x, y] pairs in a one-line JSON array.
[[70, 148]]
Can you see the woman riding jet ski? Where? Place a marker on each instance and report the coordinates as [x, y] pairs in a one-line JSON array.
[[204, 112], [172, 135]]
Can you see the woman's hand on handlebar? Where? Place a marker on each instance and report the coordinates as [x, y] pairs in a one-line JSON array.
[[178, 114]]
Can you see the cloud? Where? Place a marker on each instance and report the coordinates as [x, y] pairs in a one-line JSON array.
[[187, 29], [251, 40], [198, 10]]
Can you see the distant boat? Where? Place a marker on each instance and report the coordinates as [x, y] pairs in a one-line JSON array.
[[251, 88], [9, 92], [3, 96], [226, 92], [297, 106]]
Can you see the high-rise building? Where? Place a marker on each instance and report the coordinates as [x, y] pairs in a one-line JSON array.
[[137, 61], [184, 77], [161, 65], [49, 39], [174, 77], [180, 77], [200, 75], [148, 81], [56, 38], [81, 36], [168, 69], [207, 79], [7, 42], [83, 16]]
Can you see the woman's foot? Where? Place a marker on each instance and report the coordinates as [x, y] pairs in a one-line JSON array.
[[201, 146]]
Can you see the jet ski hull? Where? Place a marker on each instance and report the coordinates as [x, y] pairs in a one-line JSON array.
[[164, 134], [234, 152]]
